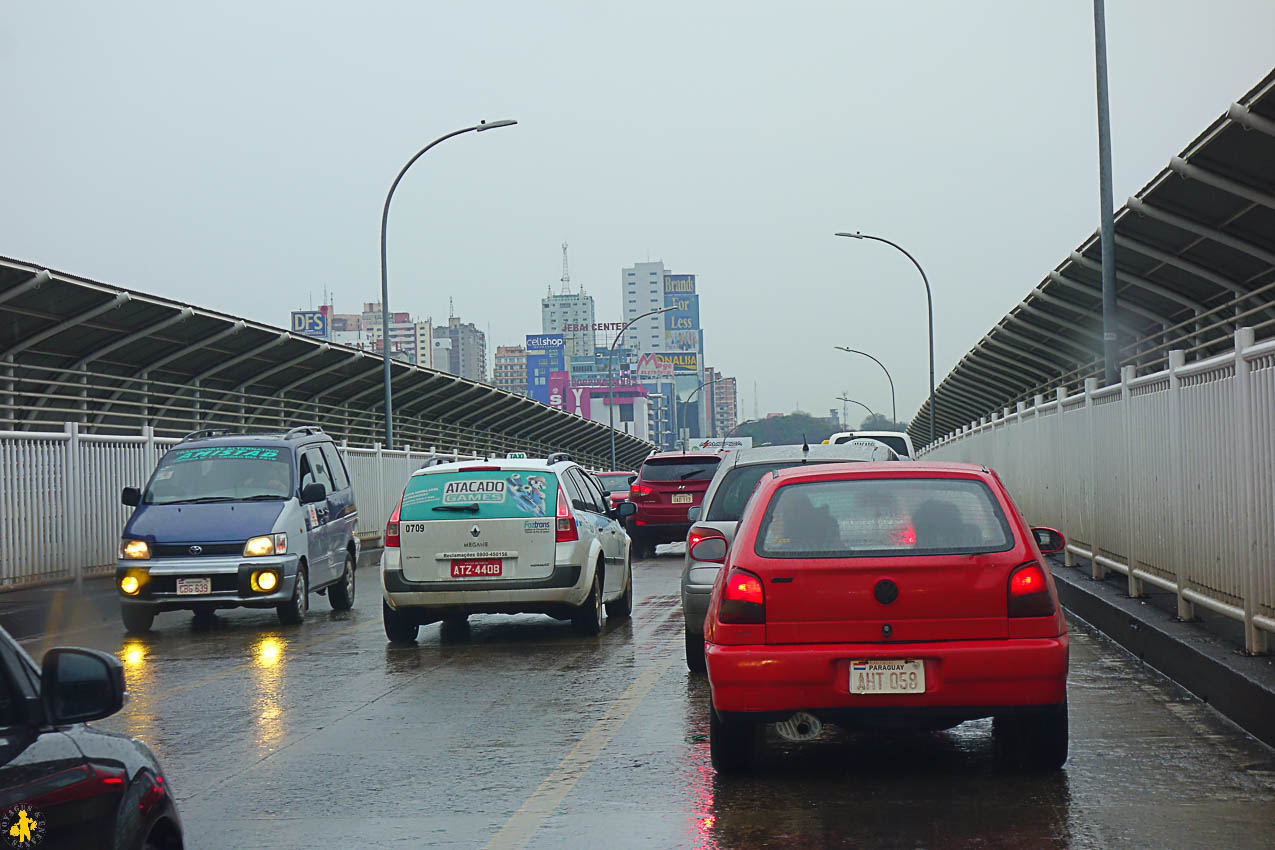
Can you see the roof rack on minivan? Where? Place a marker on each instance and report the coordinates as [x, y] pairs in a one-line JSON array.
[[303, 431], [208, 432], [557, 457]]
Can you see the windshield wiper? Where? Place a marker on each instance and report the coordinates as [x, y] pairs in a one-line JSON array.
[[199, 501], [264, 497], [686, 475], [470, 509]]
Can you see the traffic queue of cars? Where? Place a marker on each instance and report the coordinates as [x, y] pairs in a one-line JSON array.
[[831, 584]]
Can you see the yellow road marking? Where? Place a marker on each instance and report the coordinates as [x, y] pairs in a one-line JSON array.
[[523, 824]]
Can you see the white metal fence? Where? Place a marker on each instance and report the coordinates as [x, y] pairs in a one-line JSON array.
[[1168, 478], [60, 509]]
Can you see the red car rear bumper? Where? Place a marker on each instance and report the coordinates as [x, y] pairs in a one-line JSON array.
[[1015, 672]]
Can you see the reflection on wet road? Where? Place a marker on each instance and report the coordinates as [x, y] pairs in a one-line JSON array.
[[521, 733]]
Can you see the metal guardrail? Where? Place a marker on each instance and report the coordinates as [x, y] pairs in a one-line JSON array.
[[60, 510], [1168, 478]]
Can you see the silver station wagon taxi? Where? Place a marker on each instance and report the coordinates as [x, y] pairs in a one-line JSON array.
[[505, 537]]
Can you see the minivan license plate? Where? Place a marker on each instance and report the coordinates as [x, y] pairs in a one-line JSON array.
[[193, 585], [887, 676], [477, 569], [682, 498]]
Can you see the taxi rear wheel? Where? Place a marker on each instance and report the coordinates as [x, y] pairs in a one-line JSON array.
[[398, 627], [341, 594], [294, 610], [588, 618], [137, 619]]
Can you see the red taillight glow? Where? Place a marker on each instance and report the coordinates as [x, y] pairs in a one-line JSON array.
[[1029, 594], [566, 521], [743, 599], [906, 536], [641, 492], [391, 528]]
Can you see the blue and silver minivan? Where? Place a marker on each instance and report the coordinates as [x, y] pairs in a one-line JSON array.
[[240, 521]]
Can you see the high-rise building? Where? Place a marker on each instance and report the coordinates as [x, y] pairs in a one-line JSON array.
[[573, 316], [510, 370], [723, 403], [414, 339], [642, 290], [468, 356]]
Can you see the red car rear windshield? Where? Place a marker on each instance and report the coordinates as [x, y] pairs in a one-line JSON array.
[[876, 517], [679, 468]]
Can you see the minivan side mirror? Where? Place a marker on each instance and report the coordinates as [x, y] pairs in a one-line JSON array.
[[625, 509], [693, 513], [313, 492], [131, 497], [1049, 540], [79, 685]]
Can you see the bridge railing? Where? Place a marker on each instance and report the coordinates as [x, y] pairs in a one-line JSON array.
[[1167, 478], [60, 510]]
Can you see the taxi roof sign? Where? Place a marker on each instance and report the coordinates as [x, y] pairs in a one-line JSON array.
[[516, 456]]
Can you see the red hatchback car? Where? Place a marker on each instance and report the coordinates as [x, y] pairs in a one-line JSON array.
[[667, 486], [885, 595]]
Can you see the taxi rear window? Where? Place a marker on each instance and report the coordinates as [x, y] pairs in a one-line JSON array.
[[480, 494]]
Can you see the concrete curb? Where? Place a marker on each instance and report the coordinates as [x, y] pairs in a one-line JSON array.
[[1240, 687]]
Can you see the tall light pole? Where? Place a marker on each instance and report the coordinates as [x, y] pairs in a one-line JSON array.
[[861, 404], [385, 285], [894, 410], [703, 384], [929, 303], [1110, 352], [611, 375]]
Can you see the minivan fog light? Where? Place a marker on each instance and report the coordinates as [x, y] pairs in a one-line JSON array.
[[266, 544], [264, 581], [129, 585]]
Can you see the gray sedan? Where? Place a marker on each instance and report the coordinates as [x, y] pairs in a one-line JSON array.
[[718, 516]]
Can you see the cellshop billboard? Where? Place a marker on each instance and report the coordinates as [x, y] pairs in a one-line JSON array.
[[545, 355]]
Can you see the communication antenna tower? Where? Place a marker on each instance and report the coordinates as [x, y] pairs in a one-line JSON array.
[[566, 275], [451, 308]]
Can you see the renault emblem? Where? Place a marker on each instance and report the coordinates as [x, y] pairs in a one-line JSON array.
[[474, 532], [196, 550]]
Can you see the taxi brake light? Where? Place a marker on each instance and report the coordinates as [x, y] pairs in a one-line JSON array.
[[566, 521], [391, 528]]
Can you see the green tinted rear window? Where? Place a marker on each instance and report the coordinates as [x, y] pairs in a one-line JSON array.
[[486, 494]]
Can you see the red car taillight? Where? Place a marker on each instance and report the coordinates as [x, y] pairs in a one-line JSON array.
[[701, 545], [641, 492], [566, 526], [743, 599], [1029, 592], [391, 528]]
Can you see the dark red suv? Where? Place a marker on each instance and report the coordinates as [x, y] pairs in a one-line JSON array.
[[667, 486]]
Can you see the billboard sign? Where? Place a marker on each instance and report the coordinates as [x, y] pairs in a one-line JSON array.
[[684, 315], [544, 342], [681, 340], [651, 368], [311, 323], [545, 355], [682, 363], [679, 284]]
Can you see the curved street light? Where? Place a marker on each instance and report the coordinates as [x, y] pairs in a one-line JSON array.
[[929, 303], [611, 375], [861, 404], [686, 442], [894, 409], [385, 286]]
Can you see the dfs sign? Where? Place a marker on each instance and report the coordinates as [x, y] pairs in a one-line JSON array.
[[311, 322]]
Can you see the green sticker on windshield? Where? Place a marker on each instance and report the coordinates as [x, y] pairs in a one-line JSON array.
[[223, 453]]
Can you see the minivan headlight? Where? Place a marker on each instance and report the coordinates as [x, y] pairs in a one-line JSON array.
[[266, 544], [134, 550]]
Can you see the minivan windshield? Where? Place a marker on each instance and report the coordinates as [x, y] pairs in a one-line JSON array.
[[679, 468], [864, 517], [221, 474]]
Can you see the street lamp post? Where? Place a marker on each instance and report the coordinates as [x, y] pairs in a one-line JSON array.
[[861, 404], [611, 375], [686, 442], [385, 286], [929, 303], [894, 409]]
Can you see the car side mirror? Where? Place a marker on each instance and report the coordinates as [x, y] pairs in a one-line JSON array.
[[131, 497], [712, 549], [1049, 540], [313, 492], [625, 509], [79, 685], [693, 513]]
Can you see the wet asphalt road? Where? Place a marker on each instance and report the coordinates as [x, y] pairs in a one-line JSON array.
[[521, 733]]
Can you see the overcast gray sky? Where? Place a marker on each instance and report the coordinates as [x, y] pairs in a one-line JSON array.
[[236, 156]]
